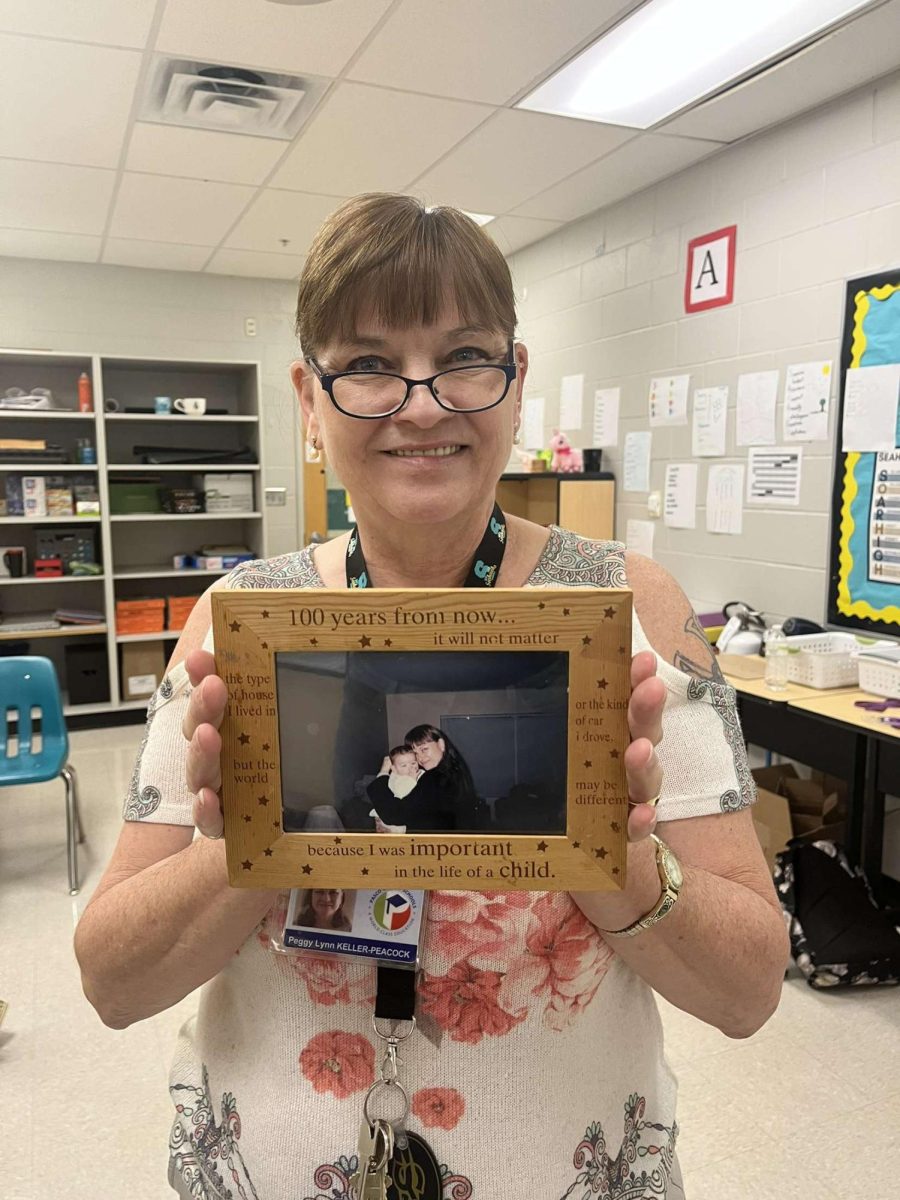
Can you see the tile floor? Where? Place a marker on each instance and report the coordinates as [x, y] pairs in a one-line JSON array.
[[809, 1107]]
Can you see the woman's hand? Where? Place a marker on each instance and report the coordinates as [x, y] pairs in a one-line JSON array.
[[385, 765], [645, 709], [206, 708]]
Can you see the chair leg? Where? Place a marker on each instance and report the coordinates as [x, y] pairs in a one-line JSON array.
[[79, 828], [71, 824]]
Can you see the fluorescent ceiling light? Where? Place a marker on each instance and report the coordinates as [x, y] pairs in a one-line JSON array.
[[670, 53], [480, 218]]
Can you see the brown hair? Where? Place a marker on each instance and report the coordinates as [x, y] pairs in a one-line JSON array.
[[402, 262]]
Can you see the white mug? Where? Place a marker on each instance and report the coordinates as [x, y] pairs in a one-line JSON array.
[[194, 406]]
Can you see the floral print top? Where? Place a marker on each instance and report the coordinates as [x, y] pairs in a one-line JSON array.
[[537, 1069]]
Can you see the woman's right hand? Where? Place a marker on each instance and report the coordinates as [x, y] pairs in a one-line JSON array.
[[206, 708], [385, 765]]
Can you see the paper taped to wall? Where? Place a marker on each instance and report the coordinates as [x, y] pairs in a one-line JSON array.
[[757, 394], [774, 475]]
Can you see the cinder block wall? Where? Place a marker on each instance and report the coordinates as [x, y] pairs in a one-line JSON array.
[[816, 201]]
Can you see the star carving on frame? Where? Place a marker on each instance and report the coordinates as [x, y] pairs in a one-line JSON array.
[[314, 641], [247, 864], [265, 614], [541, 604], [276, 824], [542, 846], [602, 684], [615, 826], [337, 841], [235, 627], [586, 640], [265, 745], [268, 852], [364, 871], [615, 870], [601, 853], [576, 845], [566, 612], [588, 763], [388, 642], [621, 649], [262, 801], [613, 754], [307, 870], [244, 739], [364, 641], [247, 818], [608, 614]]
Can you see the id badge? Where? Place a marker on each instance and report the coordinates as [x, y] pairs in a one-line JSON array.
[[382, 925]]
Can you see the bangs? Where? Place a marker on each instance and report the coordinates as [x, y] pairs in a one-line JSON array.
[[388, 259]]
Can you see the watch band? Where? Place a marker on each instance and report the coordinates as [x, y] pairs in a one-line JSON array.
[[664, 905]]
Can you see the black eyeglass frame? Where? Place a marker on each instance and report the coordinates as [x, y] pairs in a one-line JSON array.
[[328, 380]]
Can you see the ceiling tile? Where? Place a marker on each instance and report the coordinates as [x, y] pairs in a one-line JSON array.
[[318, 39], [257, 264], [380, 133], [49, 196], [477, 51], [201, 154], [62, 247], [275, 215], [858, 53], [163, 256], [514, 155], [156, 208], [634, 166], [65, 102], [104, 22], [512, 233]]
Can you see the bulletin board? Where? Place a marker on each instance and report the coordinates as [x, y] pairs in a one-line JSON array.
[[864, 587]]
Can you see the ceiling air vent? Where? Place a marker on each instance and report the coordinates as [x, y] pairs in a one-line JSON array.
[[203, 95]]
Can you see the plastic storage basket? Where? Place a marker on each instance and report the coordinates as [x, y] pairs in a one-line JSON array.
[[880, 673], [823, 660]]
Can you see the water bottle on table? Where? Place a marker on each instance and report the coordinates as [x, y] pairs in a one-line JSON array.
[[776, 659]]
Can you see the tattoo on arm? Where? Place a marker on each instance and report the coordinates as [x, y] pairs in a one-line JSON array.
[[704, 666]]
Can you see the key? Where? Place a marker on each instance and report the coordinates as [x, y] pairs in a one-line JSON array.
[[375, 1148]]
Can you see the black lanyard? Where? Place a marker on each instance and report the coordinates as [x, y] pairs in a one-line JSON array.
[[482, 573], [395, 998]]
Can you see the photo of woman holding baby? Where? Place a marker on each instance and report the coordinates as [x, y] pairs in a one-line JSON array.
[[424, 786]]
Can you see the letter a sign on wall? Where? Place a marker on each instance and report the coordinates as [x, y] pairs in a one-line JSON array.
[[710, 270]]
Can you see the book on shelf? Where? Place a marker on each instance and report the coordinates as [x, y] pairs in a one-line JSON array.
[[27, 622], [78, 616]]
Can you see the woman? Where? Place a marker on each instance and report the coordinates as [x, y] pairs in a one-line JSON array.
[[543, 1045], [444, 796], [323, 908]]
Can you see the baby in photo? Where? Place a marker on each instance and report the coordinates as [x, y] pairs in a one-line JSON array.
[[402, 771]]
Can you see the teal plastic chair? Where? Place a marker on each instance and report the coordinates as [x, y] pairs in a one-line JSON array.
[[27, 684]]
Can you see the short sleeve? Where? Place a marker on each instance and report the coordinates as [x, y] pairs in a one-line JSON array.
[[157, 791]]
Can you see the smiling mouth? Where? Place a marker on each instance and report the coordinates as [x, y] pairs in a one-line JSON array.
[[433, 452]]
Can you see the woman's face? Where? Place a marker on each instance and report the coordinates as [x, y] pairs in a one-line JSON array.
[[390, 466], [325, 902], [429, 754]]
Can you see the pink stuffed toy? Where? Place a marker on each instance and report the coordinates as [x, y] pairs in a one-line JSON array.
[[566, 460]]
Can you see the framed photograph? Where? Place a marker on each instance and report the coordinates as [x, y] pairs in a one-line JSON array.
[[457, 739]]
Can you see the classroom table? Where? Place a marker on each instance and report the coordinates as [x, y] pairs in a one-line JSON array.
[[826, 731]]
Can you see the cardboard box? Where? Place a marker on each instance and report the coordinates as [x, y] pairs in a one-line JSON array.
[[789, 806], [232, 492], [772, 820], [143, 666]]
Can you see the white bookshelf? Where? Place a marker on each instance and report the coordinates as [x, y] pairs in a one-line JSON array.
[[134, 548]]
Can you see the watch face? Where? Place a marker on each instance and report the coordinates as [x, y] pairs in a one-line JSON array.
[[673, 870]]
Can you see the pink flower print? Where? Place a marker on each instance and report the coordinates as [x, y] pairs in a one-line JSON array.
[[332, 981], [337, 1062], [564, 962], [438, 1108], [465, 1002], [486, 928]]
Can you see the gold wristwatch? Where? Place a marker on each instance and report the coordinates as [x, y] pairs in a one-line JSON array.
[[671, 877]]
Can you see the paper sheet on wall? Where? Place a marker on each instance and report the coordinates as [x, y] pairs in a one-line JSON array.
[[757, 395], [639, 537], [606, 417], [870, 408], [774, 475], [807, 394], [571, 402], [681, 495], [725, 498], [710, 420], [668, 399], [636, 469], [533, 424]]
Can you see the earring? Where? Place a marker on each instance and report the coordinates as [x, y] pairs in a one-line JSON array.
[[313, 454], [516, 438]]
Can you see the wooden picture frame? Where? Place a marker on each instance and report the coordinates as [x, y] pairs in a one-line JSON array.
[[588, 628]]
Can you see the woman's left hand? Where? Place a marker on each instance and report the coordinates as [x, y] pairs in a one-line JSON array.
[[644, 774]]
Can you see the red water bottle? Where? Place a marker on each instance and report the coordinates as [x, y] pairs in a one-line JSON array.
[[85, 395]]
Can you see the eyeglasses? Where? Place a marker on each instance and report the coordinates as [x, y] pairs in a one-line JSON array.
[[370, 395]]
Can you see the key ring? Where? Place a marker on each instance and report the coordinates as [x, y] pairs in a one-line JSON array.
[[395, 1086], [390, 1076]]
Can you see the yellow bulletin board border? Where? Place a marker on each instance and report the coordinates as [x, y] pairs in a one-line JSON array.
[[591, 626], [857, 608]]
